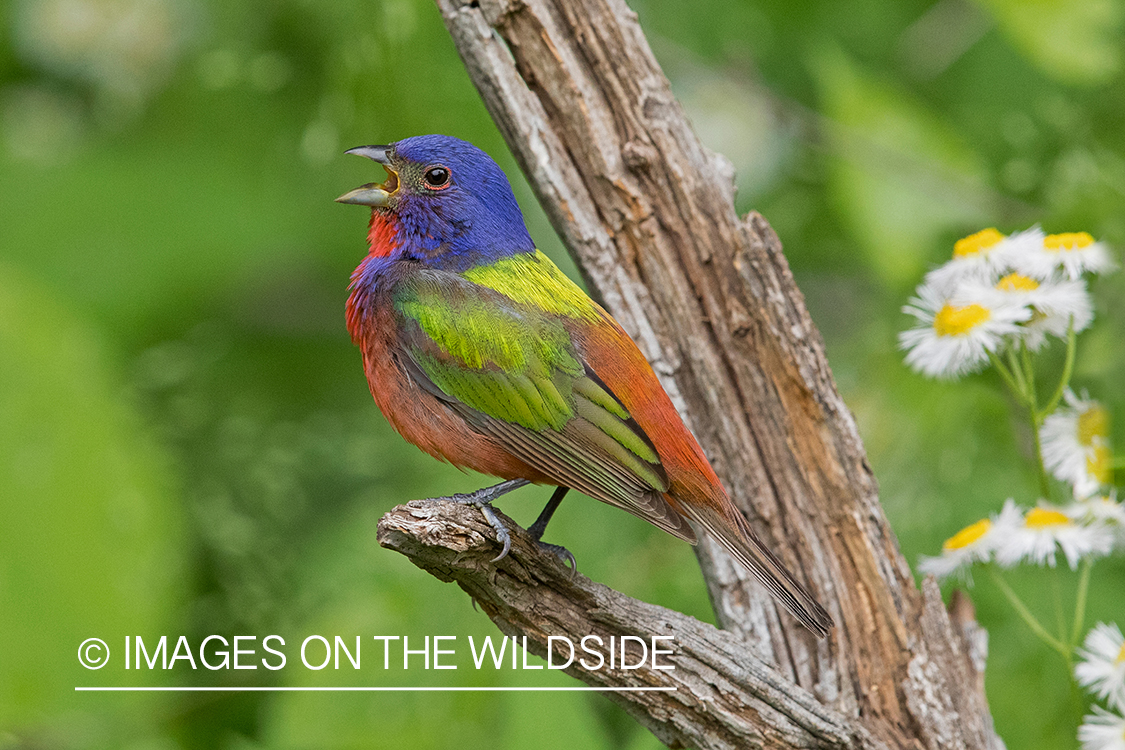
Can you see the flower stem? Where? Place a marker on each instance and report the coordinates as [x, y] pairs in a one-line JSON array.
[[1068, 369], [1006, 376], [1017, 371], [1026, 375], [1025, 614], [1017, 384], [1060, 618], [1029, 372], [1041, 469], [1080, 601]]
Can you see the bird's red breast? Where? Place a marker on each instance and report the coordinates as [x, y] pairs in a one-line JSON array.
[[383, 240]]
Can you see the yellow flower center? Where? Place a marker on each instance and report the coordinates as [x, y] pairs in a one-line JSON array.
[[956, 321], [1067, 241], [1041, 518], [968, 535], [980, 242], [1100, 465], [1093, 423], [1121, 654], [1015, 282]]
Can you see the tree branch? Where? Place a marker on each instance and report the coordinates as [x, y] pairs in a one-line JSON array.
[[719, 696], [648, 214]]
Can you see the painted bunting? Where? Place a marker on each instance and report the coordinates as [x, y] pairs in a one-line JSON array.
[[482, 353]]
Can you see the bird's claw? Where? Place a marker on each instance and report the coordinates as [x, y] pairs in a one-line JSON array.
[[562, 553], [502, 534], [482, 499]]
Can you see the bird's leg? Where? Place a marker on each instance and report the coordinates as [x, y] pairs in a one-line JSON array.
[[536, 529], [482, 499]]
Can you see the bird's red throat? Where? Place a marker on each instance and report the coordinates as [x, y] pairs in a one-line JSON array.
[[382, 234], [383, 238]]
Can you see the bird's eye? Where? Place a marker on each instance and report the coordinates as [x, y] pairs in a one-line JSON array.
[[436, 177]]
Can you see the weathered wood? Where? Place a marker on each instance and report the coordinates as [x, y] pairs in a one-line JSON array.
[[648, 214], [721, 695]]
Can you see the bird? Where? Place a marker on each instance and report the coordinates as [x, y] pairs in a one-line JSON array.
[[481, 352]]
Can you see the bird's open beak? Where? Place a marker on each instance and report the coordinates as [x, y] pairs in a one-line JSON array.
[[373, 194]]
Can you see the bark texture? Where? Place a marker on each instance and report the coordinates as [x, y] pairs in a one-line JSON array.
[[648, 214]]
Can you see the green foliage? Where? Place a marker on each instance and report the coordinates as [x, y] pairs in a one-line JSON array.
[[1073, 41], [900, 175], [186, 441], [93, 535]]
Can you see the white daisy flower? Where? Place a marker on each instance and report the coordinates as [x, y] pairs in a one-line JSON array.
[[982, 256], [1101, 508], [954, 339], [1053, 303], [1072, 253], [972, 544], [1104, 509], [1044, 531], [1075, 443], [1102, 730], [1102, 669]]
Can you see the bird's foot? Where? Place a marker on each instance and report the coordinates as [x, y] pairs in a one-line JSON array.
[[562, 553], [486, 495], [482, 499], [502, 534], [540, 526]]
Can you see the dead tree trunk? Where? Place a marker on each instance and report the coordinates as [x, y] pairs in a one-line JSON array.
[[648, 213]]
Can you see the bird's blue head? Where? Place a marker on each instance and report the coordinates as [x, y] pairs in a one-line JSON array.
[[444, 202]]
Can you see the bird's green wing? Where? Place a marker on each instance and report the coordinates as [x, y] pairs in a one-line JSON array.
[[511, 370]]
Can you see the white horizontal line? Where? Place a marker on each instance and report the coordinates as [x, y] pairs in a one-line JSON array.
[[268, 689]]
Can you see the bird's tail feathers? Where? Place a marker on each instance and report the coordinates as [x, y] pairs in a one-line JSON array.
[[736, 536]]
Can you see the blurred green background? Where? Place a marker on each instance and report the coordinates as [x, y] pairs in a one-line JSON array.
[[187, 443]]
